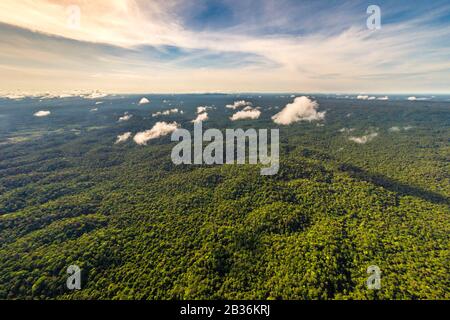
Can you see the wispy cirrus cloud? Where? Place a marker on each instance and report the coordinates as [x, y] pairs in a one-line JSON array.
[[268, 45]]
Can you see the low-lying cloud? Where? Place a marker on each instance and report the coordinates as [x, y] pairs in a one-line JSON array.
[[364, 139], [249, 108], [93, 95], [144, 101], [202, 109], [201, 117], [346, 130], [123, 137], [302, 109], [417, 99], [394, 129], [125, 117], [42, 113], [398, 129], [166, 112], [248, 113], [159, 129], [238, 104]]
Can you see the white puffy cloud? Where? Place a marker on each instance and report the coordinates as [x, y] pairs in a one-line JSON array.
[[398, 129], [346, 130], [394, 129], [123, 137], [65, 95], [41, 114], [144, 101], [159, 129], [94, 109], [238, 104], [125, 117], [92, 95], [246, 114], [362, 97], [202, 109], [417, 99], [364, 139], [166, 112], [302, 109], [248, 108], [385, 98], [201, 117], [13, 96]]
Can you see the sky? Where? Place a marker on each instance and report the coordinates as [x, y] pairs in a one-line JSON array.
[[187, 46]]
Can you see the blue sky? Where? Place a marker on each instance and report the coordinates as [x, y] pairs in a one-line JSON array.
[[224, 45]]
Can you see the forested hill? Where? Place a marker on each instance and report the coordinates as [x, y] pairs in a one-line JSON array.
[[141, 227]]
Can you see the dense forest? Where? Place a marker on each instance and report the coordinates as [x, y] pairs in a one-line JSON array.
[[140, 227]]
